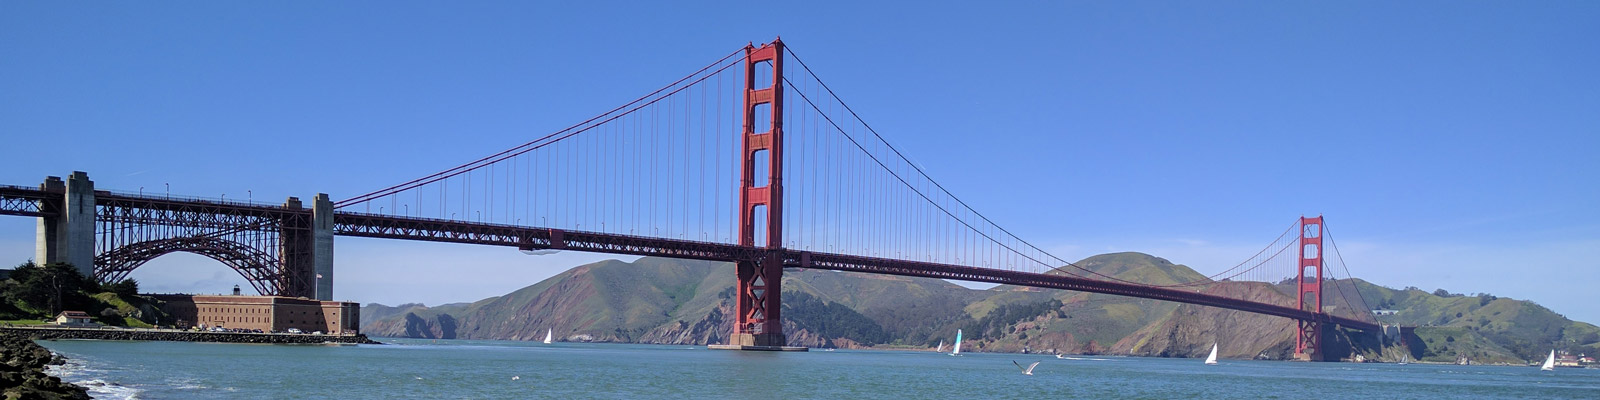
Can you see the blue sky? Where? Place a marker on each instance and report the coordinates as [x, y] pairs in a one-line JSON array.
[[1450, 144]]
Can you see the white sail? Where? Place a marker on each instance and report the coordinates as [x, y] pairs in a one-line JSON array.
[[1212, 359], [957, 351], [941, 347], [1550, 363], [547, 333]]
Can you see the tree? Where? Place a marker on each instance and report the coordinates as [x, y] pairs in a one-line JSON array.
[[53, 288], [125, 288]]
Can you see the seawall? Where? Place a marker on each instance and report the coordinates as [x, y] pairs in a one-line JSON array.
[[53, 333]]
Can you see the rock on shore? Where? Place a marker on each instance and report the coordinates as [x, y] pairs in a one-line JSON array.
[[22, 364]]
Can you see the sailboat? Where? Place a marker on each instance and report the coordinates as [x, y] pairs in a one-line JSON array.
[[547, 333], [1405, 358], [957, 351], [1212, 359], [1549, 363]]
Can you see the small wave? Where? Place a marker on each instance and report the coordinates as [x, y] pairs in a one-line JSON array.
[[101, 389], [71, 367], [186, 384]]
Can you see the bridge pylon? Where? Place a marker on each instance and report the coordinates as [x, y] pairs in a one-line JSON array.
[[1308, 284], [759, 290], [66, 233]]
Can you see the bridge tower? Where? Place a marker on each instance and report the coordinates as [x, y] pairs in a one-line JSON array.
[[761, 202], [1308, 340], [67, 235], [322, 246]]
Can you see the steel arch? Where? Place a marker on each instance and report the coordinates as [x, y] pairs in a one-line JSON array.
[[257, 267]]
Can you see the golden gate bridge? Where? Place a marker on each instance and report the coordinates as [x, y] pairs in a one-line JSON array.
[[751, 159]]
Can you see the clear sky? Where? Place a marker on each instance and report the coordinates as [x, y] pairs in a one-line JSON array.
[[1450, 144]]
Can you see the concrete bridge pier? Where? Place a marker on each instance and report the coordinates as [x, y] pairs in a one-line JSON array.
[[322, 245], [306, 250], [67, 235]]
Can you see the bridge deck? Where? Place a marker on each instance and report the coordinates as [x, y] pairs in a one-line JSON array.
[[17, 200], [530, 238]]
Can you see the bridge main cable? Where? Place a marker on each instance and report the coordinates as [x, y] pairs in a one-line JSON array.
[[540, 142]]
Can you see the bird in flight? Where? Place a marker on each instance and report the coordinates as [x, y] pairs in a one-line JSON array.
[[1028, 370]]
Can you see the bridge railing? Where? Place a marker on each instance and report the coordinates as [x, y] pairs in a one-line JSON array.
[[247, 202]]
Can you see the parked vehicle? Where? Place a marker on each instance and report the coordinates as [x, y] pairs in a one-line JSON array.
[[295, 330]]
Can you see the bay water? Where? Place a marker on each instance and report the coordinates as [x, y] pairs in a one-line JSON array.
[[473, 369]]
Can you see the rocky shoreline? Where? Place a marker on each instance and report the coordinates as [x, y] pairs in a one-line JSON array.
[[37, 333], [22, 366]]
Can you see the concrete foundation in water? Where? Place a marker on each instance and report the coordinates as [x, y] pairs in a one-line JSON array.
[[755, 348]]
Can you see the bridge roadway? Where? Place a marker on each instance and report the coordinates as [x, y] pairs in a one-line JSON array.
[[532, 238], [22, 201]]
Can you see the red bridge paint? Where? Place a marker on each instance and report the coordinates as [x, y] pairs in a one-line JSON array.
[[758, 293]]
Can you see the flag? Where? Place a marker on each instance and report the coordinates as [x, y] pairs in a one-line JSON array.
[[319, 276]]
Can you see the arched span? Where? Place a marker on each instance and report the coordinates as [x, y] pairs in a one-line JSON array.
[[258, 267]]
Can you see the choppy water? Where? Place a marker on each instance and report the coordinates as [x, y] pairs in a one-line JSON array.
[[484, 370]]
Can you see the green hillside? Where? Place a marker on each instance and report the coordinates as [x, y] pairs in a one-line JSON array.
[[668, 301], [676, 301], [1523, 329], [1087, 322], [33, 293], [1451, 344]]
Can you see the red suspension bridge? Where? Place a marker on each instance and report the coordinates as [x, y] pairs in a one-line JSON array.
[[751, 160]]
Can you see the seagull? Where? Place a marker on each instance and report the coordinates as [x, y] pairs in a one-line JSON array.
[[516, 377], [420, 378], [1029, 369]]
